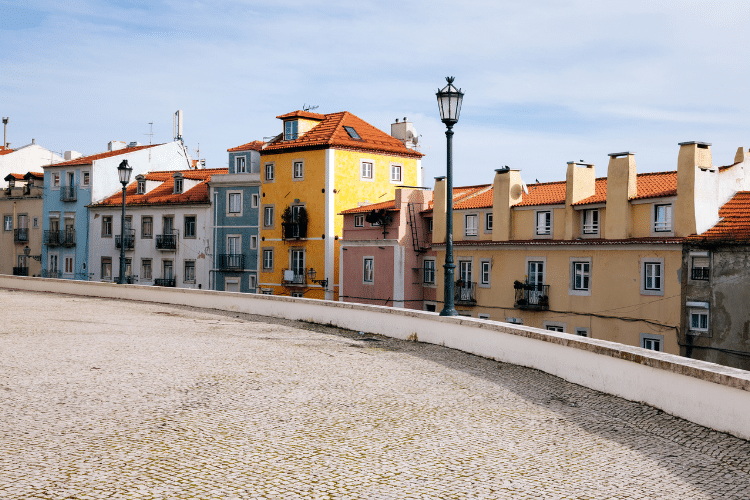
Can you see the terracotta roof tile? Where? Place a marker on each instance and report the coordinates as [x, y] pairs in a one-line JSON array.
[[544, 193], [250, 146], [672, 240], [87, 160], [478, 198], [5, 151], [35, 175], [734, 225], [388, 205], [648, 185], [303, 114], [330, 133], [18, 177], [164, 194]]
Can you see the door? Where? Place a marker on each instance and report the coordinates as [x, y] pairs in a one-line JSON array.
[[464, 274], [234, 250], [168, 270], [295, 218], [168, 225], [536, 280], [298, 265]]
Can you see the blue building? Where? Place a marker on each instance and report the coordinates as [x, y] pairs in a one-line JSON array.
[[236, 200], [72, 185]]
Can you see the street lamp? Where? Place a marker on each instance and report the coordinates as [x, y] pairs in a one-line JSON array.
[[449, 103], [312, 273], [124, 171]]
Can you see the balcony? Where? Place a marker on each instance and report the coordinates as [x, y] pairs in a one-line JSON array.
[[51, 238], [129, 279], [700, 273], [68, 193], [129, 239], [21, 235], [294, 230], [464, 293], [533, 296], [20, 271], [294, 277], [68, 238], [165, 282], [166, 241], [231, 262], [46, 273]]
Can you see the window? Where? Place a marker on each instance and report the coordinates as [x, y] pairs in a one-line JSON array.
[[68, 264], [106, 268], [71, 178], [544, 223], [581, 275], [486, 266], [298, 263], [252, 282], [430, 307], [235, 203], [266, 291], [167, 224], [429, 225], [359, 221], [483, 316], [189, 276], [141, 186], [591, 221], [652, 272], [8, 223], [147, 226], [178, 185], [555, 328], [189, 226], [464, 272], [582, 332], [253, 242], [298, 170], [107, 226], [366, 170], [298, 295], [86, 179], [352, 133], [36, 222], [368, 269], [53, 263], [429, 271], [700, 267], [662, 218], [254, 200], [699, 320], [56, 179], [269, 171], [146, 269], [268, 217], [268, 259], [488, 222], [395, 173], [234, 245], [652, 342], [239, 165], [290, 130], [167, 269], [470, 226]]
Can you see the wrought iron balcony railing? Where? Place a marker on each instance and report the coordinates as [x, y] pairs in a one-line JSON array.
[[21, 235], [231, 261], [165, 282], [294, 277], [46, 273], [68, 237], [20, 271], [531, 296], [129, 239], [700, 273], [294, 230], [68, 193], [129, 279], [166, 241], [51, 238], [464, 293]]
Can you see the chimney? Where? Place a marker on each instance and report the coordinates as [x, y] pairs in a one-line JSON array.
[[580, 183], [5, 131], [115, 145], [621, 188], [507, 190], [438, 210], [405, 132], [739, 157], [33, 141], [71, 155], [694, 168]]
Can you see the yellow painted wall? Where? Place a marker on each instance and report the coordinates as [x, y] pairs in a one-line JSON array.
[[641, 220]]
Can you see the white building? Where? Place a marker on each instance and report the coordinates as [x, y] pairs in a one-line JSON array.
[[29, 158]]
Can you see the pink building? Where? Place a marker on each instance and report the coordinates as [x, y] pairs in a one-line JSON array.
[[386, 255]]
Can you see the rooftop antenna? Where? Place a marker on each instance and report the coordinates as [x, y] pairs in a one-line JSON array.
[[177, 125], [309, 107], [150, 137], [5, 132]]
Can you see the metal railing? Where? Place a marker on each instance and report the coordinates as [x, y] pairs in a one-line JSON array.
[[68, 237], [129, 239], [231, 261], [531, 296], [464, 292], [51, 238], [46, 273], [294, 230], [700, 273], [165, 282], [166, 241], [64, 237], [68, 193], [292, 277], [129, 279], [21, 235], [20, 271]]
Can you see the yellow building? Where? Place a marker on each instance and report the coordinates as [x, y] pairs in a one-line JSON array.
[[21, 203], [320, 165], [595, 257]]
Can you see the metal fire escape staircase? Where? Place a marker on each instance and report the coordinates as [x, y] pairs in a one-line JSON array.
[[414, 229]]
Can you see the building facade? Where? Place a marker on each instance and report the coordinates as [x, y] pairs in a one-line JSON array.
[[21, 206]]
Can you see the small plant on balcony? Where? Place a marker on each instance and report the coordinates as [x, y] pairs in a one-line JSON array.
[[286, 215], [518, 285]]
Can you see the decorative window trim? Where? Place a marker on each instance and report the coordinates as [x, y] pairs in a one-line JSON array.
[[427, 270], [269, 172], [572, 290], [594, 228], [485, 271], [179, 184], [107, 218], [272, 208], [252, 283], [668, 227], [359, 220], [143, 234], [267, 259], [368, 278], [185, 227], [547, 232], [362, 172], [474, 229], [298, 175], [488, 222], [85, 179], [652, 337], [240, 164], [147, 276], [229, 212], [253, 242], [186, 278], [396, 168], [254, 200], [648, 261]]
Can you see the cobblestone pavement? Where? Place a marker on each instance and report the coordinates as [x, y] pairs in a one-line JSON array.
[[113, 399]]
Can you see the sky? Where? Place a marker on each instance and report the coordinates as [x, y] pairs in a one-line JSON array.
[[545, 82]]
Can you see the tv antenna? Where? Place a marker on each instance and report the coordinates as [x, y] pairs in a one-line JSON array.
[[150, 133], [309, 107]]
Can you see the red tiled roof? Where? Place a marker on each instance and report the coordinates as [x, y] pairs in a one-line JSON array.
[[18, 177], [302, 114], [481, 198], [734, 224], [164, 194], [586, 241], [35, 175], [330, 133], [460, 193], [5, 151], [388, 205], [543, 193], [250, 146], [727, 167], [87, 160], [648, 185]]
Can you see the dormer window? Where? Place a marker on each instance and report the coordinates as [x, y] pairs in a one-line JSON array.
[[178, 184], [141, 186], [352, 133], [290, 130]]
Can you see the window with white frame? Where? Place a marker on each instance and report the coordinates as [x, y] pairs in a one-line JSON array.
[[146, 269], [141, 186], [8, 223], [544, 222], [652, 342], [662, 218], [56, 179], [189, 276], [555, 328], [86, 179], [464, 272], [581, 275], [239, 165], [395, 173], [699, 320], [359, 221], [68, 264], [268, 259], [107, 225], [298, 170], [269, 171], [582, 332], [268, 216], [652, 276], [591, 221], [368, 270], [429, 271], [178, 185], [470, 225], [254, 200], [290, 130], [700, 267], [235, 203], [366, 170], [485, 268], [253, 242], [488, 222], [190, 226]]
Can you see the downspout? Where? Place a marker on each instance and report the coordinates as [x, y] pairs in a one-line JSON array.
[[212, 274]]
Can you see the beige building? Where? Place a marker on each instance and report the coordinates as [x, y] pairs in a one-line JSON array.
[[21, 205], [599, 257]]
